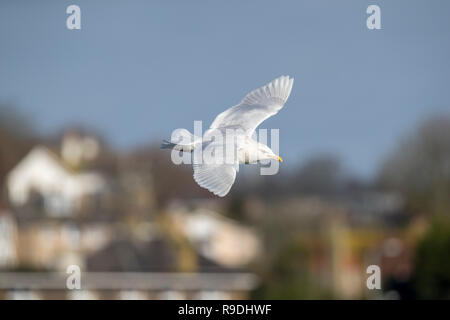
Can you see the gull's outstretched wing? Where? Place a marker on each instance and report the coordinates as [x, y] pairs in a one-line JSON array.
[[256, 106], [217, 178]]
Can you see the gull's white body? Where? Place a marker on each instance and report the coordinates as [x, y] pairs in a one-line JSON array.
[[244, 118]]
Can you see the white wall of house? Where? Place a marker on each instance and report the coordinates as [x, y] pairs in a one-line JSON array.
[[60, 188]]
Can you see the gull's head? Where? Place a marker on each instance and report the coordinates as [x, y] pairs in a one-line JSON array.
[[265, 153]]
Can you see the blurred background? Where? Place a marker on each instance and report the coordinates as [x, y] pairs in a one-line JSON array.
[[365, 137]]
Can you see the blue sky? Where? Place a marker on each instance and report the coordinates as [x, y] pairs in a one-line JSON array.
[[139, 69]]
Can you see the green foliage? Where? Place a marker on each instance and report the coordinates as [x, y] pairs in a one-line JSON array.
[[289, 276], [432, 271]]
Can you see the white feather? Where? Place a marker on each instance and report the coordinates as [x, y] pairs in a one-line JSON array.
[[216, 178], [256, 106]]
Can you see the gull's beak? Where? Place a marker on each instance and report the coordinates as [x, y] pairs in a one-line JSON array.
[[280, 159]]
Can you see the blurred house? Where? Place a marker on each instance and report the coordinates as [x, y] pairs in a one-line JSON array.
[[44, 178], [64, 211], [49, 196], [217, 237], [49, 244], [339, 237], [125, 267], [161, 265]]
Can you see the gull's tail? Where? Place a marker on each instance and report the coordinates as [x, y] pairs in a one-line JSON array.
[[167, 145], [182, 140]]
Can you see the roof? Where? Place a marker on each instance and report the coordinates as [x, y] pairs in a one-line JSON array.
[[156, 255], [54, 156]]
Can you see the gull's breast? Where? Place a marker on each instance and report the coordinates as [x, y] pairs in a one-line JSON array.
[[247, 155]]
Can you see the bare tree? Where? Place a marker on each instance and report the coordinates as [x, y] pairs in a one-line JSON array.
[[15, 138], [420, 166]]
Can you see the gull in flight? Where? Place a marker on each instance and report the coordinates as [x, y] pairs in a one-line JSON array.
[[217, 172]]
